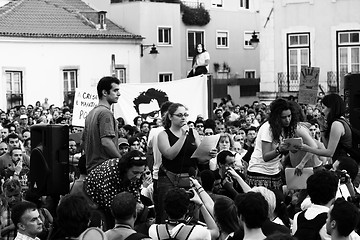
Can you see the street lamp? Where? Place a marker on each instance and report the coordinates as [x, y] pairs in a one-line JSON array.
[[254, 41], [145, 46]]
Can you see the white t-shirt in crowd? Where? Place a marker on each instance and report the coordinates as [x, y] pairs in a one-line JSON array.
[[198, 233], [257, 163]]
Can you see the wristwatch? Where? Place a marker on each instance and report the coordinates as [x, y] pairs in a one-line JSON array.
[[277, 150]]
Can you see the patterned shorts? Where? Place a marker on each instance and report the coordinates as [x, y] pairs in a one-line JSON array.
[[269, 181]]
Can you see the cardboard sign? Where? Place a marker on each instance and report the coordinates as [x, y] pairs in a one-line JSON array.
[[309, 84], [84, 102]]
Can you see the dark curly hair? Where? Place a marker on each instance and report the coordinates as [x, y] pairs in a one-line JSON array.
[[322, 187], [176, 203], [276, 108], [127, 162]]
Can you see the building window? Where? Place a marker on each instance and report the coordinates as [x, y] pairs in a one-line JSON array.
[[102, 19], [165, 77], [164, 36], [247, 38], [245, 4], [298, 54], [348, 51], [222, 39], [14, 88], [249, 74], [217, 3], [70, 77], [120, 73], [194, 38]]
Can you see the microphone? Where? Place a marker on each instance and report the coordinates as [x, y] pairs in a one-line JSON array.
[[192, 172]]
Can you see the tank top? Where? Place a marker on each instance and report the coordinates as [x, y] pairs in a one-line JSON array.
[[183, 161], [344, 141], [309, 229]]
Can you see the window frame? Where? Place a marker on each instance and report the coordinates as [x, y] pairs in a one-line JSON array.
[[348, 46], [164, 74], [298, 47], [16, 97], [69, 94], [227, 38], [247, 38], [120, 68], [164, 43], [244, 4], [217, 5], [188, 31], [250, 71]]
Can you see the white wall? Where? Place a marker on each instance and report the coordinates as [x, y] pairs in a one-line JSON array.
[[144, 18], [42, 62]]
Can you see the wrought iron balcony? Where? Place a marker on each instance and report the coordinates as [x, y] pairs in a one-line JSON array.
[[193, 4], [335, 81], [288, 82]]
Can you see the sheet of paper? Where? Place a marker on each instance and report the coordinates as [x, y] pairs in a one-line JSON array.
[[293, 142], [297, 182], [208, 143]]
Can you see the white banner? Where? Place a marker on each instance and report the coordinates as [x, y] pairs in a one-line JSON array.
[[146, 98], [85, 100]]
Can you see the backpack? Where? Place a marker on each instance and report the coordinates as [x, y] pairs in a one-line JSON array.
[[183, 233], [354, 151]]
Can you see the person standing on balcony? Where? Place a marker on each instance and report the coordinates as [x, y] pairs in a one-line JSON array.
[[200, 63]]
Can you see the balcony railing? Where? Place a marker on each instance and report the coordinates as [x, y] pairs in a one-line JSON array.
[[335, 81], [288, 82], [193, 4]]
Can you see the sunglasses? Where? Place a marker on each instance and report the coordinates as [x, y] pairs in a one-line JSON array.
[[180, 115], [208, 133], [138, 158]]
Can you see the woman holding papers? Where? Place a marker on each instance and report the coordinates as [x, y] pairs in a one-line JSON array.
[[265, 163], [337, 132], [176, 143]]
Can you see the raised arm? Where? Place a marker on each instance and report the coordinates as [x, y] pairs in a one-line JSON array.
[[336, 131], [209, 220], [308, 140], [170, 152]]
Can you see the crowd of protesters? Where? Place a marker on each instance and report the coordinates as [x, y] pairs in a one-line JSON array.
[[153, 189]]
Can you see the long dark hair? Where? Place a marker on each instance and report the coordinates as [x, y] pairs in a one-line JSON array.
[[276, 108], [337, 110], [196, 52]]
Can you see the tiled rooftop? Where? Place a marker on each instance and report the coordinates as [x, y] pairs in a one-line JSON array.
[[55, 19]]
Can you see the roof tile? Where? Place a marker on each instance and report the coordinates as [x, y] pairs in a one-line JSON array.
[[55, 19]]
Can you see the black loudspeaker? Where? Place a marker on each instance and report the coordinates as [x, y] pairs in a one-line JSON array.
[[49, 159], [352, 98]]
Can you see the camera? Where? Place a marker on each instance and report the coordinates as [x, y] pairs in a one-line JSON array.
[[342, 175], [355, 200], [190, 194]]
